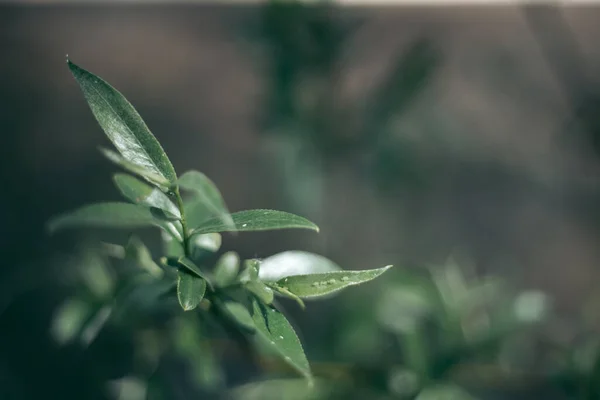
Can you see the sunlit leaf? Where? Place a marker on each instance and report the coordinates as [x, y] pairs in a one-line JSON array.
[[140, 193], [278, 334], [190, 290], [208, 194], [123, 125], [256, 220], [314, 285], [294, 263], [226, 269], [105, 215]]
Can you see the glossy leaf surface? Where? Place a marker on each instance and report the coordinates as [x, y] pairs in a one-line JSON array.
[[306, 286], [277, 332], [123, 125], [257, 220], [190, 290]]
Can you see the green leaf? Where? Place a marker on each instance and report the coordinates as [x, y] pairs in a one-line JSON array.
[[190, 290], [138, 192], [105, 215], [226, 269], [208, 194], [191, 267], [286, 293], [260, 290], [236, 312], [444, 391], [256, 220], [315, 285], [151, 177], [172, 247], [285, 389], [192, 342], [123, 125], [137, 252], [277, 332], [290, 263]]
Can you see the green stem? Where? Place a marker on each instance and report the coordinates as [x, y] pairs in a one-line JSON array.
[[186, 247]]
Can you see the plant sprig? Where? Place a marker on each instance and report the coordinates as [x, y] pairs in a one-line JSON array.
[[243, 296]]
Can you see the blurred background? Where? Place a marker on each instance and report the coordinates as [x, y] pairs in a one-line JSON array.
[[461, 144]]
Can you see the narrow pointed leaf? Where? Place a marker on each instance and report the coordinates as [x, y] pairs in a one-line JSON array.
[[277, 332], [294, 263], [123, 125], [138, 192], [105, 215], [151, 177], [226, 269], [190, 290], [315, 285], [257, 220], [208, 194]]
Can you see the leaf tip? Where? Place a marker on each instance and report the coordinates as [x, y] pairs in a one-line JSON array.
[[187, 307]]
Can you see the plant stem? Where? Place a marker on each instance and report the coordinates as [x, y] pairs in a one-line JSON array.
[[186, 248]]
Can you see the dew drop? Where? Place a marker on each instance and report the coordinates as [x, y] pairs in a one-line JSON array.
[[280, 337], [272, 342], [331, 281], [244, 225], [287, 358], [345, 279]]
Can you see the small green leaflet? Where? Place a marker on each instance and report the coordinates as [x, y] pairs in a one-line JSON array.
[[315, 285], [123, 125], [190, 290], [105, 215], [208, 195], [276, 331], [191, 268], [151, 177], [256, 220], [138, 192]]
